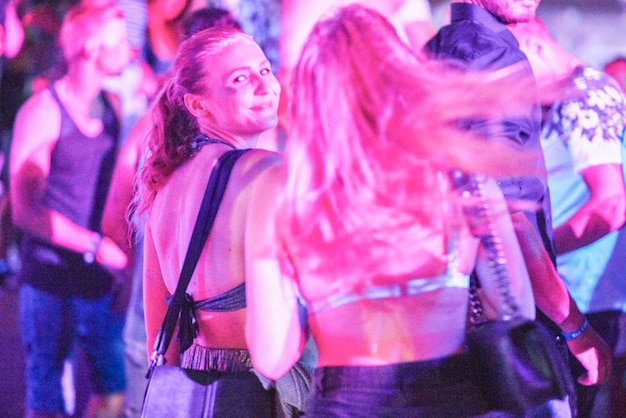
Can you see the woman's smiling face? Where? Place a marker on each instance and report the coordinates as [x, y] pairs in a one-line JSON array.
[[242, 93]]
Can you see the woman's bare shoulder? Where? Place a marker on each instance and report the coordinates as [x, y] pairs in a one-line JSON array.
[[262, 158]]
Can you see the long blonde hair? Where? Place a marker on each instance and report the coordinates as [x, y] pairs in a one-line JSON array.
[[374, 128]]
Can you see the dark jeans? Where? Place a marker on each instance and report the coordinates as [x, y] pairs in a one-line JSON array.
[[50, 326], [433, 388]]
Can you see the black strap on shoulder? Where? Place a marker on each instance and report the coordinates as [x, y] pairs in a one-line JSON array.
[[206, 216]]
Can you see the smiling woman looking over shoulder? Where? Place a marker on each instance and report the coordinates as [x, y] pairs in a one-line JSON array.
[[221, 96]]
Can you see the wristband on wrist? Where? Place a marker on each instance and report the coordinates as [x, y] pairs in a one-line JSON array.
[[89, 256], [567, 336]]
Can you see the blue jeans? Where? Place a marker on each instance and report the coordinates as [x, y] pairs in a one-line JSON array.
[[432, 388], [51, 326], [135, 355]]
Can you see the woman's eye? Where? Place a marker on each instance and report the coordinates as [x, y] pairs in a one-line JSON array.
[[240, 78], [265, 71]]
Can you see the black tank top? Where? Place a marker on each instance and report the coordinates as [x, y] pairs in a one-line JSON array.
[[81, 168], [80, 174]]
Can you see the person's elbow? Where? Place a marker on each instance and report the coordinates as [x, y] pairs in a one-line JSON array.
[[25, 215], [614, 210], [273, 369], [272, 364], [270, 359]]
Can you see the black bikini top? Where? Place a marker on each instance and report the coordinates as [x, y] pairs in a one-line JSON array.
[[231, 300]]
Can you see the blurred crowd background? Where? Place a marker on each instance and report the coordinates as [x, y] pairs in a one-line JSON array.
[[592, 30]]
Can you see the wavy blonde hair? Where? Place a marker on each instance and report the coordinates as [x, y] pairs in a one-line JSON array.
[[374, 127], [170, 142]]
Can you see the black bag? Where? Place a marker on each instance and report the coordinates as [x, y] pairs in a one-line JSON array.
[[517, 364], [173, 392], [515, 361]]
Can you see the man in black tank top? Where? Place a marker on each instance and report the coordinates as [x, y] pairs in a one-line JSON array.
[[63, 152]]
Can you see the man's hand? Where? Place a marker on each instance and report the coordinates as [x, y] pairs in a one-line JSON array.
[[595, 356], [110, 255]]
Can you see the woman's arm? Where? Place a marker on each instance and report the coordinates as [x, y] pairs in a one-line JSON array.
[[273, 331], [154, 294]]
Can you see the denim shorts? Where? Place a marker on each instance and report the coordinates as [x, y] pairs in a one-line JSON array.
[[431, 388], [51, 326]]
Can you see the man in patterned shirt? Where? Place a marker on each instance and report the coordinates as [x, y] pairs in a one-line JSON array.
[[582, 140]]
